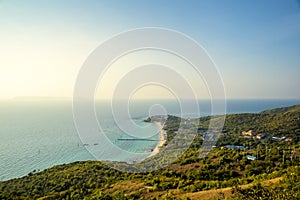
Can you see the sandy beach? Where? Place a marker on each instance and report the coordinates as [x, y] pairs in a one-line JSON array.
[[162, 139]]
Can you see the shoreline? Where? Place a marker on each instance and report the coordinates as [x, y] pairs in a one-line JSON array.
[[162, 139]]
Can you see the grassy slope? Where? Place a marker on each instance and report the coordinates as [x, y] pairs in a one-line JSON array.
[[214, 194]]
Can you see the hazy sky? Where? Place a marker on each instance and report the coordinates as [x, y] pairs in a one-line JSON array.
[[255, 44]]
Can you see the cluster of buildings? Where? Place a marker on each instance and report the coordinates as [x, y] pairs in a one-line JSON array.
[[251, 133], [249, 157]]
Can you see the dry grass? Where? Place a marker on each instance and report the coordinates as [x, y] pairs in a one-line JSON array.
[[213, 194], [147, 191]]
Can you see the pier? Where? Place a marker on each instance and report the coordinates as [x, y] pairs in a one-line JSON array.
[[142, 139]]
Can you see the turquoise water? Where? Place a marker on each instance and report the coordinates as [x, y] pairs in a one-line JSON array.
[[35, 135]]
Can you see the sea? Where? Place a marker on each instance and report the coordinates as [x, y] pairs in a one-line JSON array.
[[36, 134]]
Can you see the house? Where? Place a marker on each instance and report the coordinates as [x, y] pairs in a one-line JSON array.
[[235, 147], [260, 136], [289, 139], [249, 157], [249, 133], [276, 139]]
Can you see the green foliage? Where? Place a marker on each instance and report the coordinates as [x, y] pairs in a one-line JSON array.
[[295, 108], [288, 188]]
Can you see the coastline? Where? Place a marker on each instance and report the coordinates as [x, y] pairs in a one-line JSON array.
[[162, 139]]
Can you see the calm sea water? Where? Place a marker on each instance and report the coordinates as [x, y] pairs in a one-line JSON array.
[[38, 134]]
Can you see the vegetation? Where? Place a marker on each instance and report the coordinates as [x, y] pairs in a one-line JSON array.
[[294, 108], [222, 168], [287, 188]]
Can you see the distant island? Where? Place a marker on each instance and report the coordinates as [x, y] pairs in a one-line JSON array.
[[256, 157]]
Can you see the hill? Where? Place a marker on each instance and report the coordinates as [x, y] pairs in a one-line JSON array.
[[190, 175], [294, 108]]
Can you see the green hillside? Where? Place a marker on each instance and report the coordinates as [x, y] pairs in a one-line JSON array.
[[294, 108], [222, 168]]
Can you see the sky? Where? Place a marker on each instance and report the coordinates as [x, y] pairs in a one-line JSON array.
[[254, 44]]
